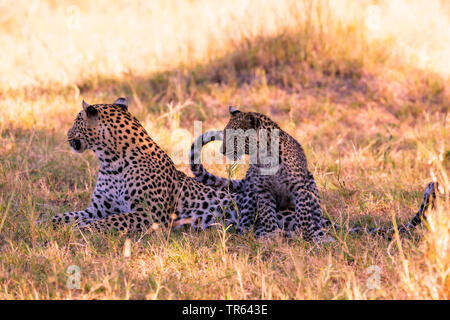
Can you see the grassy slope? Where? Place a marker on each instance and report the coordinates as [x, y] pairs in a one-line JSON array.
[[373, 123]]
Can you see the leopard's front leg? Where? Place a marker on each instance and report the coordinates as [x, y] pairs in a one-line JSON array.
[[75, 216], [144, 213], [266, 225], [310, 217], [101, 206], [125, 222]]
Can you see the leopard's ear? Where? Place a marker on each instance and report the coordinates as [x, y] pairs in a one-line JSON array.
[[233, 110], [253, 121], [91, 113], [85, 105], [121, 102]]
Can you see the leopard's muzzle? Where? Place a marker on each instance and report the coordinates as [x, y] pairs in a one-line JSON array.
[[77, 145]]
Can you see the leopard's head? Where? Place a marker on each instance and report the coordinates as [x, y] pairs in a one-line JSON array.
[[241, 133], [91, 128]]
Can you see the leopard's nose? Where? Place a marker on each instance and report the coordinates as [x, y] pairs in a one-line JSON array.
[[75, 143]]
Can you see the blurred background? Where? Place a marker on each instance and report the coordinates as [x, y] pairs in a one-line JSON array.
[[48, 42]]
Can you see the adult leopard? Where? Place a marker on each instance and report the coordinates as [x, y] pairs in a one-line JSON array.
[[138, 184], [285, 214]]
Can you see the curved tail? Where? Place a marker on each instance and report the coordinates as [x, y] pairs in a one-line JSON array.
[[200, 172], [429, 197], [235, 186]]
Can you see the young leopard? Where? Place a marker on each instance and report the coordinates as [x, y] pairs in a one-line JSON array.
[[279, 176], [286, 218], [138, 184], [241, 191]]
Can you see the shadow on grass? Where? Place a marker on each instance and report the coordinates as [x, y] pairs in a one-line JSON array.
[[286, 62]]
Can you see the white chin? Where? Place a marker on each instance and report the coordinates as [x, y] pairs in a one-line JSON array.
[[81, 150]]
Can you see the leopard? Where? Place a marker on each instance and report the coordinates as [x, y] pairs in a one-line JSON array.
[[284, 216], [138, 186], [244, 197]]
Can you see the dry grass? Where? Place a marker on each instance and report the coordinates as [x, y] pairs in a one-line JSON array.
[[362, 85]]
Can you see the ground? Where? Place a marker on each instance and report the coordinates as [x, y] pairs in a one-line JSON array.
[[369, 103]]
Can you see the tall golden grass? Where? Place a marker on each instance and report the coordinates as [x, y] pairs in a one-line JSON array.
[[49, 42], [363, 85]]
